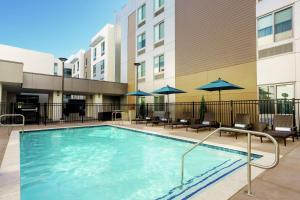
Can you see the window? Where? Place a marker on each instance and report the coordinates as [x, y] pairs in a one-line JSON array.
[[275, 27], [74, 69], [141, 70], [159, 64], [77, 65], [141, 15], [283, 24], [55, 69], [95, 54], [159, 32], [285, 94], [159, 103], [277, 99], [86, 62], [141, 41], [102, 66], [265, 30], [285, 91], [266, 92], [158, 4], [94, 71], [102, 48], [141, 100]]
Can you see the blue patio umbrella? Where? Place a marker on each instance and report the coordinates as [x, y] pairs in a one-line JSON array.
[[167, 90], [219, 85], [138, 93]]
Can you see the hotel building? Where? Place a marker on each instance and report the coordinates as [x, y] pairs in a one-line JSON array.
[[103, 54], [278, 47], [77, 62], [186, 44]]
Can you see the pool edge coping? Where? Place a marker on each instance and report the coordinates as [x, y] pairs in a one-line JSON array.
[[10, 167]]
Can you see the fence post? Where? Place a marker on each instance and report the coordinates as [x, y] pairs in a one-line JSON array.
[[45, 114], [193, 110], [294, 112], [147, 110], [231, 112]]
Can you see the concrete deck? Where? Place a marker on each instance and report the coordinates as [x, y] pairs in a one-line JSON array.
[[279, 183]]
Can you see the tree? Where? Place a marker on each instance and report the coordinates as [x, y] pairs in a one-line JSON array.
[[202, 108], [142, 109]]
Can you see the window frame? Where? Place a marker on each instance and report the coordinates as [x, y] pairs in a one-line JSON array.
[[160, 105], [143, 64], [158, 8], [160, 38], [95, 54], [55, 69], [102, 47], [142, 6], [274, 41], [160, 68], [138, 46]]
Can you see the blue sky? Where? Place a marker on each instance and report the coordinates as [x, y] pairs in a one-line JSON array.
[[60, 27]]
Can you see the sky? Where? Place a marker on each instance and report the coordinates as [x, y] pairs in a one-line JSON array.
[[59, 27]]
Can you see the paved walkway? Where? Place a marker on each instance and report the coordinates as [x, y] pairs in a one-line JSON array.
[[282, 183]]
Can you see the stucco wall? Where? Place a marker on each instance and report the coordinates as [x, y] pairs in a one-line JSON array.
[[34, 62]]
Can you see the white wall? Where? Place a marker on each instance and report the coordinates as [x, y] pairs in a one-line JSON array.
[[107, 35], [283, 68], [34, 61], [168, 49], [73, 59]]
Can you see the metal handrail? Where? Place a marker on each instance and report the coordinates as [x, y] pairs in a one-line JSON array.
[[13, 125], [249, 162]]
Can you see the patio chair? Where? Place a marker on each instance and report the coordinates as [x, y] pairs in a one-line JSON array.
[[283, 128], [208, 122], [242, 121], [184, 121], [142, 119], [159, 120], [260, 127]]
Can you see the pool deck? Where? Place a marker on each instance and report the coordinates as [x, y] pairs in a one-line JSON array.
[[279, 183]]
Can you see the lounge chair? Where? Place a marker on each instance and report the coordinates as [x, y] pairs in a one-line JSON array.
[[141, 119], [208, 122], [182, 122], [159, 120], [283, 128], [260, 127], [242, 121]]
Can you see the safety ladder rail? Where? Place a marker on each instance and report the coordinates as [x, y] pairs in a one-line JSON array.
[[249, 162], [13, 125]]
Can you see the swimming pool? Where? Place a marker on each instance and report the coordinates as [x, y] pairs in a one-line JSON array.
[[106, 162]]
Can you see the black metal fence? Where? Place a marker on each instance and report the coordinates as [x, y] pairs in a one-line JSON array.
[[225, 111]]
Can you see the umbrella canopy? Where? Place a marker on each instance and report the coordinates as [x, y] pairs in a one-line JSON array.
[[138, 93], [219, 85], [168, 90]]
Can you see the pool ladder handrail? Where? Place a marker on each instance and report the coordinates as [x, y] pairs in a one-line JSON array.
[[13, 125], [249, 162]]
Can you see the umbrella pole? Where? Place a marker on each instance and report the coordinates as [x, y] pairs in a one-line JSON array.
[[219, 105], [168, 109]]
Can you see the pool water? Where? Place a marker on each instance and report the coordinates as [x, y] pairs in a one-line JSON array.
[[111, 163]]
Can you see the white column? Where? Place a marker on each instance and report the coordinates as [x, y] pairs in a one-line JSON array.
[[55, 105], [97, 104]]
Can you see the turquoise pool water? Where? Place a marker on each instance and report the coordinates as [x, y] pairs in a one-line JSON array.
[[111, 163]]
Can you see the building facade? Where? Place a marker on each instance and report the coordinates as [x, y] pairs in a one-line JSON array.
[[102, 47], [87, 64], [77, 62], [278, 47], [186, 44]]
